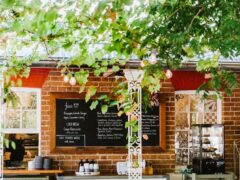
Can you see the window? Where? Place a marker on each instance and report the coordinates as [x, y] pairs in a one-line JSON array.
[[25, 118], [24, 121], [191, 109]]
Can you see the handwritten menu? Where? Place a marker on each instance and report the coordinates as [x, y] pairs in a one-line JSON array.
[[77, 125]]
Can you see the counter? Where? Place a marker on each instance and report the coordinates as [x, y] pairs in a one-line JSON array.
[[31, 172], [24, 174], [152, 177]]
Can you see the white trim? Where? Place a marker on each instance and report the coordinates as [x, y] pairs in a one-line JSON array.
[[1, 123], [219, 111], [19, 131], [29, 131], [39, 115], [186, 92]]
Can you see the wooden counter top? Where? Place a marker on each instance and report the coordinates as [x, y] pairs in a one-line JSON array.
[[116, 177], [30, 172]]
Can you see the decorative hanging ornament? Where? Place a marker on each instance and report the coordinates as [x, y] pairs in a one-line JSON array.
[[65, 77], [207, 76], [153, 57], [73, 80], [169, 74]]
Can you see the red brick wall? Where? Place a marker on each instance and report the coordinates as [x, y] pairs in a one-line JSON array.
[[162, 162], [231, 121]]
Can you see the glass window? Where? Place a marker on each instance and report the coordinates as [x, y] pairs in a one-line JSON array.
[[25, 117], [191, 109], [23, 122]]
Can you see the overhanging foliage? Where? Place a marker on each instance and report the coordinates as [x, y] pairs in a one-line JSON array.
[[176, 30]]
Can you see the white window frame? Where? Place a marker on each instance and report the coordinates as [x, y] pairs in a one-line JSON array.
[[219, 102], [1, 121], [193, 92], [36, 130]]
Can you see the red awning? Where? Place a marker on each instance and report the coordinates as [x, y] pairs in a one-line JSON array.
[[36, 78], [187, 80]]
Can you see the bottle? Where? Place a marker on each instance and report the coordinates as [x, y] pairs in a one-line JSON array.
[[86, 166], [81, 166], [95, 167], [144, 165], [148, 169], [91, 164]]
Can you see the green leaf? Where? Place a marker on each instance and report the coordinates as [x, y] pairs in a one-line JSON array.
[[120, 113], [6, 143], [51, 15], [94, 105], [8, 3], [113, 103], [104, 63], [82, 77], [82, 88], [135, 129], [19, 82], [26, 72], [130, 123], [17, 26], [104, 109], [162, 1], [35, 4], [115, 68], [133, 139], [207, 64], [13, 144], [103, 96], [90, 92]]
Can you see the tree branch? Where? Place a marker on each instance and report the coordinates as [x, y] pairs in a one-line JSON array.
[[46, 48], [199, 11], [173, 13]]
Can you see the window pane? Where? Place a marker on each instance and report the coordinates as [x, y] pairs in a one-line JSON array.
[[12, 118], [29, 120], [29, 100], [195, 103], [181, 121], [210, 104], [210, 118], [182, 156], [181, 139], [182, 103], [196, 118]]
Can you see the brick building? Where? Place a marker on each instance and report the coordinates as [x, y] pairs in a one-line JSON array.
[[163, 162]]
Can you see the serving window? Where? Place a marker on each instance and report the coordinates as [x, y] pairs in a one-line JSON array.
[[21, 126]]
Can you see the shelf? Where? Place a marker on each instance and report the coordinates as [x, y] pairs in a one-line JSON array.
[[31, 147]]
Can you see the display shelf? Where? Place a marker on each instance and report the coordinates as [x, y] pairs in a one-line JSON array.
[[208, 148]]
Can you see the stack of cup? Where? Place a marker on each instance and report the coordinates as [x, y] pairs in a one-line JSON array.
[[47, 163], [31, 165], [38, 162]]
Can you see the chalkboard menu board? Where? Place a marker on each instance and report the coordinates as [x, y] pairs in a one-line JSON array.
[[77, 125]]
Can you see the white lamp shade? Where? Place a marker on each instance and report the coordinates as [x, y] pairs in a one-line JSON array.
[[72, 81]]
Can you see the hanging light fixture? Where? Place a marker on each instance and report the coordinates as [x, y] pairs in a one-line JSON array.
[[153, 57], [73, 80], [169, 74], [65, 77]]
